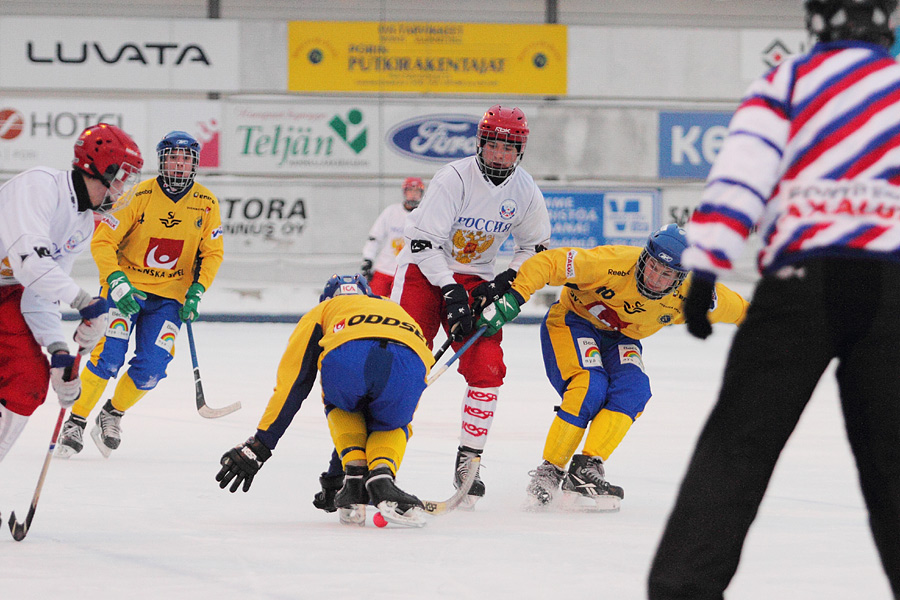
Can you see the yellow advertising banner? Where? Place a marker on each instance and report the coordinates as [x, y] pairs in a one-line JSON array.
[[449, 58]]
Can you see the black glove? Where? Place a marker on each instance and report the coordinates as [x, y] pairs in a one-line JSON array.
[[697, 305], [365, 269], [241, 463], [489, 292], [459, 316]]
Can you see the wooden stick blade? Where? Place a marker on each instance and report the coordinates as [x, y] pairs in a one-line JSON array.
[[215, 413]]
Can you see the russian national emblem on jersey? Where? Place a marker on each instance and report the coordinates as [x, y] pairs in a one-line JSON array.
[[470, 245]]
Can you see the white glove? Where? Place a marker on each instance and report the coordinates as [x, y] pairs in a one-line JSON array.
[[67, 391], [94, 319]]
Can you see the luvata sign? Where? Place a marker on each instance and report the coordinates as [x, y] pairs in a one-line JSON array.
[[152, 54]]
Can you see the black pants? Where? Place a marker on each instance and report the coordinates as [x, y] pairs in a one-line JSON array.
[[844, 309]]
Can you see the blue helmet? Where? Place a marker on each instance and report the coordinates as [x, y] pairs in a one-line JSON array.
[[664, 247], [177, 175], [345, 285]]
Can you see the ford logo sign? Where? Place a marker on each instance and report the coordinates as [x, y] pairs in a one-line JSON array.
[[435, 138]]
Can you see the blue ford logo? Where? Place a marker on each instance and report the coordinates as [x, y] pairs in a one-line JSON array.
[[435, 138]]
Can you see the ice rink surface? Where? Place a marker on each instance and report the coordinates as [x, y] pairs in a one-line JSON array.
[[151, 523]]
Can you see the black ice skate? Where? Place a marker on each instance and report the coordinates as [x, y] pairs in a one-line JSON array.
[[71, 440], [587, 487], [107, 433], [476, 492], [544, 485], [324, 499], [352, 498], [395, 505]]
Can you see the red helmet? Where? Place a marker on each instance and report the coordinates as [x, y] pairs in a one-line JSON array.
[[506, 125], [413, 189], [107, 153]]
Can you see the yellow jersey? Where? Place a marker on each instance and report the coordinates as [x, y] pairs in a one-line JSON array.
[[600, 287], [155, 240], [328, 325]]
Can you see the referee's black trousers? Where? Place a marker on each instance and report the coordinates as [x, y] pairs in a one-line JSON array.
[[841, 309]]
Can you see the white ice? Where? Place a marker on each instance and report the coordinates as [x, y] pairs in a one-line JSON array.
[[151, 523]]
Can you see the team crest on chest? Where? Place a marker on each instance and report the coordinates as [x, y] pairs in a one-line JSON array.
[[470, 245], [508, 208]]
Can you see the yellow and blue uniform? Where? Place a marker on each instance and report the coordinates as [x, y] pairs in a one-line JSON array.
[[374, 362], [591, 341], [156, 241]]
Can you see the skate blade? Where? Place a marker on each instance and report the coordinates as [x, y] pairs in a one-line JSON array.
[[468, 503], [534, 504], [355, 514], [63, 451], [575, 502], [414, 517], [103, 448]]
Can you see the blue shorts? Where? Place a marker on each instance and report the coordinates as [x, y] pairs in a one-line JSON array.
[[155, 328], [381, 379], [573, 347]]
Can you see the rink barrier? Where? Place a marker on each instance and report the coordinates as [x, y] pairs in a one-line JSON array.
[[283, 318]]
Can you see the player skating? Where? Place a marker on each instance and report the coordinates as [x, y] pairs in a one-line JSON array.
[[386, 238], [614, 296], [452, 239], [156, 258], [46, 220], [374, 361]]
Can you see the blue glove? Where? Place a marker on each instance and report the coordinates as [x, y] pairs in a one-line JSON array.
[[124, 294], [192, 302], [500, 312]]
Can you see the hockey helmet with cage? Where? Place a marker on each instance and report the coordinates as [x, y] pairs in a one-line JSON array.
[[177, 175], [659, 270], [107, 153], [862, 20], [412, 184], [507, 125], [346, 285]]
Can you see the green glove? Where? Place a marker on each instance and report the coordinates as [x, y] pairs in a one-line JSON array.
[[500, 312], [191, 302], [124, 294]]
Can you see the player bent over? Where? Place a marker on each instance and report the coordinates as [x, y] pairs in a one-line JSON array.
[[46, 220], [374, 362], [156, 257], [614, 296]]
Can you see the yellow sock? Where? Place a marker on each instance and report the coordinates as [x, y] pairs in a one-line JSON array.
[[606, 433], [562, 441], [348, 432], [92, 388], [386, 448], [126, 394]]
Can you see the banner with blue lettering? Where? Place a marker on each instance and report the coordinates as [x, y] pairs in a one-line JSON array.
[[689, 143], [592, 217]]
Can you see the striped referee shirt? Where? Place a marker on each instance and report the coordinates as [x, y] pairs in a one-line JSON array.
[[812, 159]]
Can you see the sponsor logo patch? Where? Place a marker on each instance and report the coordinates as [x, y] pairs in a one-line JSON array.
[[590, 353], [119, 326], [630, 354], [167, 335]]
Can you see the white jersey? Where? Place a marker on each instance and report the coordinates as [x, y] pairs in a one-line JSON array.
[[41, 233], [386, 239], [464, 219]]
